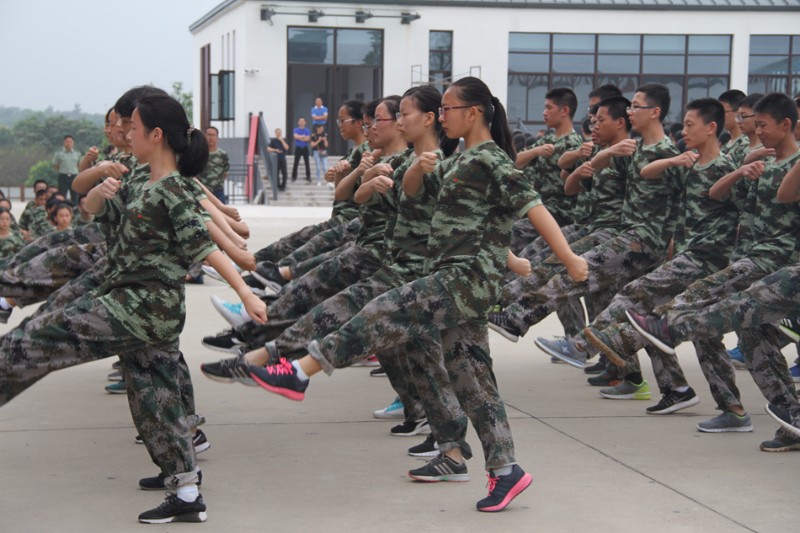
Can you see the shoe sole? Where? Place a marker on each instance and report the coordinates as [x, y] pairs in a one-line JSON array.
[[393, 415], [789, 332], [421, 431], [121, 391], [202, 447], [676, 407], [740, 429], [188, 517], [561, 358], [523, 483], [785, 425], [505, 333], [432, 453], [655, 341], [232, 349], [454, 478], [605, 350], [787, 448], [286, 393], [377, 375], [632, 396]]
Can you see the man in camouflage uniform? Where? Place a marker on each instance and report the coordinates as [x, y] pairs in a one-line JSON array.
[[216, 172], [34, 214]]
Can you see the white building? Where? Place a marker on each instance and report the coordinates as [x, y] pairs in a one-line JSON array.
[[276, 57]]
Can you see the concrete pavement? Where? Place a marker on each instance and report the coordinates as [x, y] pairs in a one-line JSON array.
[[68, 461]]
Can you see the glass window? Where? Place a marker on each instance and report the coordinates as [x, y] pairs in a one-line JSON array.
[[536, 88], [573, 42], [226, 92], [620, 64], [311, 45], [619, 44], [708, 65], [573, 63], [704, 87], [709, 44], [528, 62], [663, 64], [769, 65], [582, 86], [767, 84], [664, 44], [626, 84], [214, 97], [441, 41], [769, 44], [359, 47], [529, 42]]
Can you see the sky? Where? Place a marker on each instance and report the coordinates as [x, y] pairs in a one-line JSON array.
[[88, 52]]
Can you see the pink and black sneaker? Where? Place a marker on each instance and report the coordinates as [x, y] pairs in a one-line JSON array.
[[503, 489], [280, 378]]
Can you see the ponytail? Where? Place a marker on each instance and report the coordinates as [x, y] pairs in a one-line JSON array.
[[187, 142], [475, 92]]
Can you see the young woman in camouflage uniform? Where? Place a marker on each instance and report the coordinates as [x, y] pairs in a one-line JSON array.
[[138, 310]]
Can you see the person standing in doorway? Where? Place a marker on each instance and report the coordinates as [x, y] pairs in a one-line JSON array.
[[216, 172], [278, 146], [319, 144], [319, 114], [65, 161], [301, 139]]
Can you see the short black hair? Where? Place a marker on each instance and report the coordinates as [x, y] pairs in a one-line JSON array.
[[733, 98], [617, 107], [657, 95], [609, 90], [710, 110], [108, 115], [212, 128], [41, 192], [563, 97], [779, 107], [750, 100], [68, 136]]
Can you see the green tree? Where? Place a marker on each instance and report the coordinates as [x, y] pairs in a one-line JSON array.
[[43, 170], [184, 98], [16, 161]]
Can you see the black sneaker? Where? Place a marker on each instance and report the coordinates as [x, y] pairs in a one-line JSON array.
[[428, 448], [5, 314], [173, 509], [255, 285], [157, 482], [409, 428], [783, 442], [280, 378], [653, 328], [377, 372], [267, 271], [609, 378], [227, 341], [783, 418], [503, 489], [597, 368], [442, 468], [500, 323], [231, 370], [674, 401], [200, 442]]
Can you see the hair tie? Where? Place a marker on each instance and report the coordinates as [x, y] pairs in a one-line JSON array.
[[189, 133]]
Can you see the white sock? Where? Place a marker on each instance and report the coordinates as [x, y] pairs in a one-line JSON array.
[[300, 374], [188, 493], [681, 389], [503, 470], [4, 304]]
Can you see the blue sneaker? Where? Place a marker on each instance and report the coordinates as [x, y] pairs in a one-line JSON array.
[[394, 410], [795, 372], [234, 313], [737, 358]]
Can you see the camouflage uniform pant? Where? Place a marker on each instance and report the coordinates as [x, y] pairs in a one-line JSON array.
[[751, 313], [37, 278], [649, 291], [570, 310], [87, 234], [304, 267], [522, 234], [288, 244], [422, 316], [84, 331], [322, 242]]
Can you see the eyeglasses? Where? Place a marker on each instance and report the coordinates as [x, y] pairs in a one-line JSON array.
[[633, 108], [375, 122], [444, 110], [742, 118], [340, 122], [399, 115]]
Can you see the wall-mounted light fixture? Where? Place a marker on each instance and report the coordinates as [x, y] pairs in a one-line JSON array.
[[362, 16]]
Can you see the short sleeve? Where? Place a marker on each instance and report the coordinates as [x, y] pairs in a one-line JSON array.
[[190, 229]]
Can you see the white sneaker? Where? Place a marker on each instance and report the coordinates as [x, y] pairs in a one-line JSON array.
[[394, 410], [235, 314]]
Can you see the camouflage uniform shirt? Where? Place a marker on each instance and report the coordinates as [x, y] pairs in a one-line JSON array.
[[347, 210], [482, 194], [601, 205], [736, 149], [11, 245], [213, 177], [546, 175]]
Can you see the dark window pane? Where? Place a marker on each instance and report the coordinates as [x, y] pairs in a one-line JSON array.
[[310, 45], [795, 85], [528, 62], [769, 65], [581, 85], [708, 65], [435, 62], [622, 64], [769, 44], [573, 42], [626, 84], [664, 44], [619, 44], [214, 97], [529, 42], [359, 47], [796, 45], [767, 84], [675, 86], [573, 63], [663, 64], [526, 96], [441, 40], [704, 87], [709, 44]]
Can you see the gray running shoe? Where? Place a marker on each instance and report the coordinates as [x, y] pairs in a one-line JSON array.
[[563, 348], [627, 390], [726, 422], [442, 468]]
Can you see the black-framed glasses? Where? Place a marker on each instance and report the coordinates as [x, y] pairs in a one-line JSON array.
[[340, 122], [633, 108], [445, 109], [742, 118]]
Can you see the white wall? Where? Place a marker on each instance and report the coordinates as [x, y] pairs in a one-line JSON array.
[[480, 38]]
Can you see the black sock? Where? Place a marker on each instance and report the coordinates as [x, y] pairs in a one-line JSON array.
[[635, 377]]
